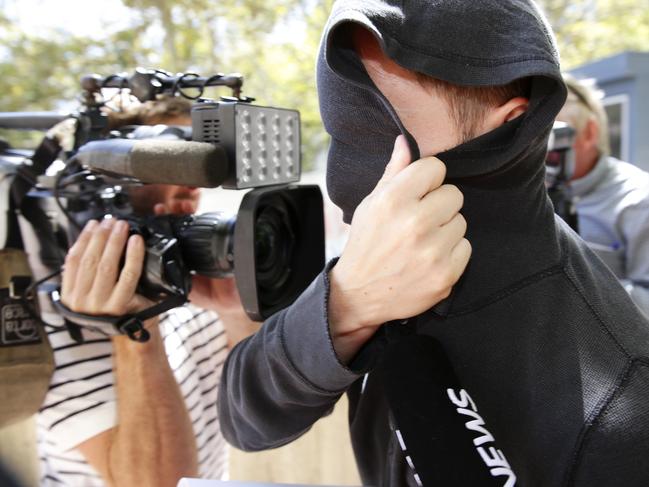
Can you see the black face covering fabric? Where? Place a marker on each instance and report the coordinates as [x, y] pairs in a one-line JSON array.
[[426, 36], [363, 127]]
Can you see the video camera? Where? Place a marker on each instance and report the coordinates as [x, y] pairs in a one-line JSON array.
[[559, 169], [274, 246]]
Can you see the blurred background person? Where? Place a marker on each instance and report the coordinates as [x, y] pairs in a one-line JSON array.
[[612, 196]]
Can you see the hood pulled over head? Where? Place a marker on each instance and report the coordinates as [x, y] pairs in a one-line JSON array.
[[465, 42]]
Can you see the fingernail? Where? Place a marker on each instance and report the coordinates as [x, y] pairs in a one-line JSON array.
[[107, 223], [133, 241], [120, 226], [90, 225]]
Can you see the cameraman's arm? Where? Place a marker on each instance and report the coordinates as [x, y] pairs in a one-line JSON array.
[[153, 442], [222, 296], [406, 250]]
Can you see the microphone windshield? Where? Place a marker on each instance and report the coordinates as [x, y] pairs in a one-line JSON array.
[[157, 161]]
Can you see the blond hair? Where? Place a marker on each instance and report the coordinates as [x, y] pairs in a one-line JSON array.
[[583, 105]]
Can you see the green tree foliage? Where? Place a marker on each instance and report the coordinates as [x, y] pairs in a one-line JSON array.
[[272, 43], [42, 72], [587, 30]]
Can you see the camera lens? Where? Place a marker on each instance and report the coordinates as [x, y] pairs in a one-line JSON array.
[[274, 247], [279, 241], [264, 242], [206, 242]]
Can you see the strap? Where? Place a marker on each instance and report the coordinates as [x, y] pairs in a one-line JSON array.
[[50, 252], [44, 155], [131, 325], [14, 238]]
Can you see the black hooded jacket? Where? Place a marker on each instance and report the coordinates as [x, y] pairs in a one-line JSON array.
[[535, 370]]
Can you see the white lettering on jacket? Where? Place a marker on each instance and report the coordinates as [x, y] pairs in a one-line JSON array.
[[494, 459]]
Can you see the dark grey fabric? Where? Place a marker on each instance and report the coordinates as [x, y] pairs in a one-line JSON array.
[[534, 368], [275, 386]]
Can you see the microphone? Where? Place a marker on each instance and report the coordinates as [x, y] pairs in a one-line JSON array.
[[30, 120], [157, 161]]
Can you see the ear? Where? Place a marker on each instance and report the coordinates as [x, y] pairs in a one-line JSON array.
[[506, 112], [591, 132], [365, 44]]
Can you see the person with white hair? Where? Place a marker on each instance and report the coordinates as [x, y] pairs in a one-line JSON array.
[[612, 196]]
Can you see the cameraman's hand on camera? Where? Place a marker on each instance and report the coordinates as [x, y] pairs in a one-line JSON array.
[[153, 443], [93, 282], [405, 251]]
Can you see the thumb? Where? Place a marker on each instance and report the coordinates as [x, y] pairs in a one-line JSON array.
[[399, 160]]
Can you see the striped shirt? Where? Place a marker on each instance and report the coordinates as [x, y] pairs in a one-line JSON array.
[[81, 401]]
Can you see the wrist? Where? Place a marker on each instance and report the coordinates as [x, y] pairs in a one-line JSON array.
[[350, 306], [152, 345], [353, 317]]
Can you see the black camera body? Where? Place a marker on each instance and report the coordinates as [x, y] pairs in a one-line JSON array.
[[559, 169], [278, 248], [274, 246]]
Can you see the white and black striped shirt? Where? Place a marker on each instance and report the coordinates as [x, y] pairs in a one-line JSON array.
[[81, 402]]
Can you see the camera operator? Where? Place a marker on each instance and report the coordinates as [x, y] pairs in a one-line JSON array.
[[612, 196], [124, 413]]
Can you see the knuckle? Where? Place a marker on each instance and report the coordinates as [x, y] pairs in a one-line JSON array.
[[444, 294], [89, 260], [435, 260], [468, 250], [93, 307], [444, 281], [438, 167], [385, 202], [114, 309], [462, 224], [72, 257], [455, 194], [105, 268], [130, 275], [77, 304], [100, 231], [417, 227]]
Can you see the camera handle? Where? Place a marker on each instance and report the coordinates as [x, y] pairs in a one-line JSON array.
[[131, 325]]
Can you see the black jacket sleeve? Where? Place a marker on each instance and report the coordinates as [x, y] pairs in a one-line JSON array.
[[280, 381]]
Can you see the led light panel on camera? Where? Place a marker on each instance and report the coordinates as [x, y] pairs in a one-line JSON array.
[[262, 143]]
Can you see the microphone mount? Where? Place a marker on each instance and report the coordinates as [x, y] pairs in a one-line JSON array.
[[147, 84]]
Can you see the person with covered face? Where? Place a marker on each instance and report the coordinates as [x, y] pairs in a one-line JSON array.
[[531, 369]]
